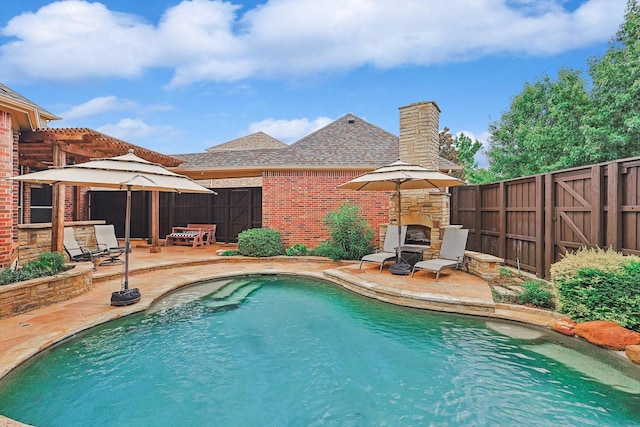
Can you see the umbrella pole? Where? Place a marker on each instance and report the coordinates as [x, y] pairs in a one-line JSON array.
[[127, 238], [126, 296], [399, 223]]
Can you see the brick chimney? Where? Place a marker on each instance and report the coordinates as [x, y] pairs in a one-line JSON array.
[[419, 134]]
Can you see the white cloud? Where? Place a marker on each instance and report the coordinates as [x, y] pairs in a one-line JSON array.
[[289, 130], [99, 105], [132, 130], [202, 40]]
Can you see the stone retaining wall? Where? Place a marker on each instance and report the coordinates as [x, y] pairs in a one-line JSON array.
[[35, 239], [25, 296], [483, 265]]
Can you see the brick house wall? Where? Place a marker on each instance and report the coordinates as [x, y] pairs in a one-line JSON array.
[[8, 203], [296, 202]]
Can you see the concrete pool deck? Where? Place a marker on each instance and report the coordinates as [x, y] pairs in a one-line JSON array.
[[156, 274]]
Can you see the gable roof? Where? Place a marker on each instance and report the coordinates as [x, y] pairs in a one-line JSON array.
[[28, 115], [348, 143], [258, 140]]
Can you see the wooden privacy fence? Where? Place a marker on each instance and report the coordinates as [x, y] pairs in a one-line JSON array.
[[532, 221]]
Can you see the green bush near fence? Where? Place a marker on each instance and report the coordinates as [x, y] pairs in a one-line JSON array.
[[260, 242], [47, 264], [598, 284]]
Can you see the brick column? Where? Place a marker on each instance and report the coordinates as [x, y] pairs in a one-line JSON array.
[[6, 192]]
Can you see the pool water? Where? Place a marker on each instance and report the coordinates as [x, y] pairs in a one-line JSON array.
[[301, 352]]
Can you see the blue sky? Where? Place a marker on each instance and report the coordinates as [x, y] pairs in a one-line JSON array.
[[180, 76]]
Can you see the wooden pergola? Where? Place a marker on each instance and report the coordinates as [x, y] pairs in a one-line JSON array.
[[44, 148]]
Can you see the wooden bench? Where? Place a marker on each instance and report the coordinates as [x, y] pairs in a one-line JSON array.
[[185, 236], [209, 236]]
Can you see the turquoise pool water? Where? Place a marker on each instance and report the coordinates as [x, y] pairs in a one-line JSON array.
[[307, 353]]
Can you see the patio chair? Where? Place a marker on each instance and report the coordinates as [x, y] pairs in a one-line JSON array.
[[107, 241], [454, 243], [79, 253], [388, 248]]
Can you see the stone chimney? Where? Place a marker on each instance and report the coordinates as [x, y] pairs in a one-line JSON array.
[[419, 134]]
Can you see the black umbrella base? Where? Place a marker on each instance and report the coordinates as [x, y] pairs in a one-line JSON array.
[[125, 297], [401, 268]]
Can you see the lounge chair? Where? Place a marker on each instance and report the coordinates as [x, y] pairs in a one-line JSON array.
[[107, 241], [388, 248], [79, 253], [454, 243]]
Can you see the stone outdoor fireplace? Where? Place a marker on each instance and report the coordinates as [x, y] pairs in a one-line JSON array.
[[424, 212]]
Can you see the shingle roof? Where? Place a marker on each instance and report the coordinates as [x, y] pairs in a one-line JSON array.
[[348, 142], [10, 93], [258, 140]]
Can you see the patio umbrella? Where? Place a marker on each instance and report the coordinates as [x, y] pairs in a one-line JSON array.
[[400, 176], [127, 172]]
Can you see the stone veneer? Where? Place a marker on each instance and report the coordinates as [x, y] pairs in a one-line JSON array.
[[35, 239], [420, 145], [25, 296]]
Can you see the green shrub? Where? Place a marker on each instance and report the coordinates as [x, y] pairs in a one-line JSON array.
[[47, 264], [297, 250], [327, 250], [229, 252], [537, 293], [260, 242], [350, 236], [597, 284]]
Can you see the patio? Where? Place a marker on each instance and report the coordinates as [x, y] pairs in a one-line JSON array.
[[156, 274]]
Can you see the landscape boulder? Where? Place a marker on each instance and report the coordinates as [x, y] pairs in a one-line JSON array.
[[633, 353], [607, 334], [564, 326]]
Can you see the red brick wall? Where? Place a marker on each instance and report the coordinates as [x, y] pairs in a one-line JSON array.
[[295, 203], [6, 192]]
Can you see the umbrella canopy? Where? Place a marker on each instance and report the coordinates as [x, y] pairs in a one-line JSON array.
[[407, 176], [400, 176], [127, 172]]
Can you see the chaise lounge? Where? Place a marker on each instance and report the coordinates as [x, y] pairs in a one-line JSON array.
[[454, 243], [79, 253], [388, 248], [107, 241]]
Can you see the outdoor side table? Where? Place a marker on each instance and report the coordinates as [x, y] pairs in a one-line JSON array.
[[411, 254]]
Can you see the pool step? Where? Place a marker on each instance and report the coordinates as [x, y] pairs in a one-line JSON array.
[[227, 290], [233, 300]]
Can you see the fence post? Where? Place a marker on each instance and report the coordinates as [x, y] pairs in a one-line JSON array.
[[540, 225], [478, 219], [502, 203], [614, 208], [550, 219], [596, 205]]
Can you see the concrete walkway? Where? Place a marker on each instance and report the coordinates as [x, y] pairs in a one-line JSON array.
[[157, 274]]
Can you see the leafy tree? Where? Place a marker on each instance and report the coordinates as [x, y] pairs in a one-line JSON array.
[[461, 150], [558, 124], [541, 130], [612, 124]]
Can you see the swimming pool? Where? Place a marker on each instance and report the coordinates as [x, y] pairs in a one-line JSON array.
[[303, 352]]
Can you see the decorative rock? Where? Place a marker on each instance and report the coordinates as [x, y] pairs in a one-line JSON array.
[[566, 327], [633, 353], [607, 334]]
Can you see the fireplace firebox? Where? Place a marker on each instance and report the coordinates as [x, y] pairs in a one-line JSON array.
[[418, 234]]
